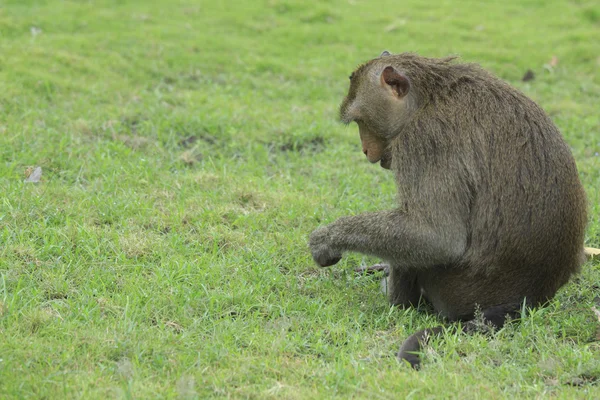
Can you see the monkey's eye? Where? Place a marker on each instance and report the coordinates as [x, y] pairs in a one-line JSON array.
[[351, 76]]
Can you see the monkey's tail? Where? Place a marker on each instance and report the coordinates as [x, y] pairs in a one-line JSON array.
[[492, 318], [415, 342]]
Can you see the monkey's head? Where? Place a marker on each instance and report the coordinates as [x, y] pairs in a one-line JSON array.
[[379, 101]]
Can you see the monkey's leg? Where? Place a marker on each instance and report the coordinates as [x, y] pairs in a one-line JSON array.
[[402, 288], [493, 317]]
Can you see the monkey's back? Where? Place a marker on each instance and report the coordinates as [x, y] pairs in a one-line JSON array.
[[525, 208], [529, 208]]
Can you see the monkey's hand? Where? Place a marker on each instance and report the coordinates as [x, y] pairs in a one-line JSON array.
[[322, 251]]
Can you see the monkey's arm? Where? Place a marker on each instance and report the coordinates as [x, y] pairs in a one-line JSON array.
[[391, 235]]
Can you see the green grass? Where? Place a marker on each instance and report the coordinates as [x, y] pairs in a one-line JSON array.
[[189, 148]]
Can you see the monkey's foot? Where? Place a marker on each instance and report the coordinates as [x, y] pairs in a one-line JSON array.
[[373, 269]]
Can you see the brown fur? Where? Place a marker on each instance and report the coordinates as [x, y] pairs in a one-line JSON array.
[[491, 210]]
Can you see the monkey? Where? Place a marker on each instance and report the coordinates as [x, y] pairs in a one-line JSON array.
[[490, 210]]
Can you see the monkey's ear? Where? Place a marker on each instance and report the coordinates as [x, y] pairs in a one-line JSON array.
[[385, 53], [397, 82]]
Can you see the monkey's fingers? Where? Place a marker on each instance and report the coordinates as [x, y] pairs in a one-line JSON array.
[[373, 269]]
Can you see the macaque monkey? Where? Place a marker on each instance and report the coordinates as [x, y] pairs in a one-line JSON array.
[[491, 212]]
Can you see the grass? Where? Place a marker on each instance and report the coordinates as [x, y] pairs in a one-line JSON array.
[[189, 148]]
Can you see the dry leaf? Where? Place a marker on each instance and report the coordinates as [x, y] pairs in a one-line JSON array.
[[394, 26], [553, 62], [132, 141], [591, 253], [33, 176], [175, 326], [597, 312], [35, 31], [190, 157]]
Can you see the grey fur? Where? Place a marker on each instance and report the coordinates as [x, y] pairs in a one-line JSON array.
[[491, 211]]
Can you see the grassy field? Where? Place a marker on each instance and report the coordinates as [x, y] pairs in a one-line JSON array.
[[189, 148]]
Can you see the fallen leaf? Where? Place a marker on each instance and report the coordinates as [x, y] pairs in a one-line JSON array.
[[552, 382], [33, 176], [553, 62], [591, 252], [132, 141], [394, 26], [35, 31], [190, 157], [175, 326], [597, 312]]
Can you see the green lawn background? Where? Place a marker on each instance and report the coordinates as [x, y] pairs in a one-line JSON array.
[[189, 148]]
